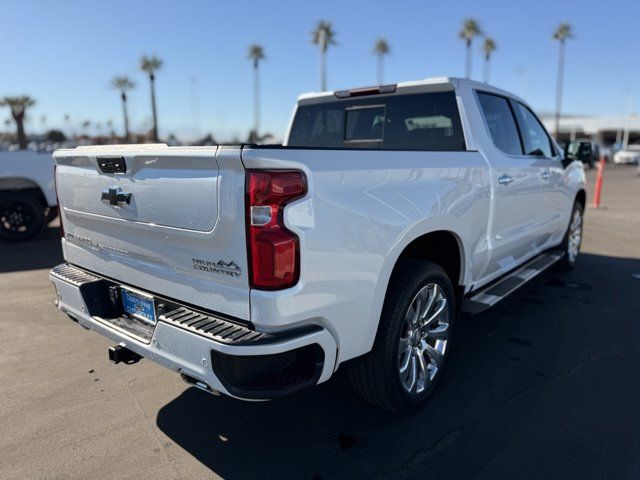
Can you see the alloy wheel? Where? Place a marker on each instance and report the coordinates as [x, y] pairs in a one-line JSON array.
[[575, 236], [424, 338]]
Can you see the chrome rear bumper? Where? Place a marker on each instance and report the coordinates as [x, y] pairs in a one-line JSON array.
[[212, 352]]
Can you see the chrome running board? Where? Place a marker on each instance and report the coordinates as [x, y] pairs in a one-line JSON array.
[[488, 296]]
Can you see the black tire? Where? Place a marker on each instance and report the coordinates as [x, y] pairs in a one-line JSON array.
[[568, 261], [21, 217], [52, 213], [376, 376]]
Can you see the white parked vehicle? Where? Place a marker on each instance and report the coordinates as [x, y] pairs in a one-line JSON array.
[[629, 156], [257, 271], [27, 194]]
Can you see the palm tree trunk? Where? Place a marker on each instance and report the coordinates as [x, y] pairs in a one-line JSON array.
[[256, 102], [69, 132], [22, 138], [487, 68], [559, 82], [469, 60], [127, 135], [380, 69], [323, 72], [152, 83]]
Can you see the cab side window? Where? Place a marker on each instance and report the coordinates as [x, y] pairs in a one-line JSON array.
[[501, 123], [534, 136]]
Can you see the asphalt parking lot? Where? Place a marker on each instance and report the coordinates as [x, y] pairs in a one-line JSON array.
[[544, 385]]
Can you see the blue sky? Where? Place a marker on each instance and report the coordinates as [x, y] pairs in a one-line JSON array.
[[64, 54]]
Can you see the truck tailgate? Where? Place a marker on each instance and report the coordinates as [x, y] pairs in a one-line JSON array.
[[169, 220]]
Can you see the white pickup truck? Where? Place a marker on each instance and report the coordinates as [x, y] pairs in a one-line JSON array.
[[256, 271], [27, 195]]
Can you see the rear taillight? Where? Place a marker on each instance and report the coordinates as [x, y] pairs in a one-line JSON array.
[[274, 254], [55, 184]]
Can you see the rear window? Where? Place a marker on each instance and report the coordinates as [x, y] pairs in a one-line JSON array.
[[425, 121]]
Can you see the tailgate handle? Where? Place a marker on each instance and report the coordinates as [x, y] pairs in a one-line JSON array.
[[112, 164], [115, 196]]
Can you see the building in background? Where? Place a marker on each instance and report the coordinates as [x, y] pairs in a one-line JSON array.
[[615, 130]]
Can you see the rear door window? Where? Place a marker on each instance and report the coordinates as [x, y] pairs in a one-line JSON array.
[[535, 137], [501, 123], [425, 121]]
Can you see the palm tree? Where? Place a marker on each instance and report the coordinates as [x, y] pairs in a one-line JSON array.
[[323, 36], [150, 65], [67, 121], [562, 33], [470, 30], [18, 106], [256, 55], [123, 85], [86, 124], [488, 47], [380, 49]]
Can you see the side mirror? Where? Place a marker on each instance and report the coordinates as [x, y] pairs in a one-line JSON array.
[[567, 158]]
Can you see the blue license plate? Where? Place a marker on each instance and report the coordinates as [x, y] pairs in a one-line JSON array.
[[138, 305]]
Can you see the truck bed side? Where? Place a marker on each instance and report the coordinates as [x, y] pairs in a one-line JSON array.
[[363, 208]]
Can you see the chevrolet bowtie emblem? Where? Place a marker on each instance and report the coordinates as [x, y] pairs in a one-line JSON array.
[[115, 196]]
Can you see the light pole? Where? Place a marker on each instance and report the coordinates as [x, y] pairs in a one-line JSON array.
[[625, 134]]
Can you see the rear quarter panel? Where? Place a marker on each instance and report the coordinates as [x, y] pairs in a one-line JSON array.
[[362, 209]]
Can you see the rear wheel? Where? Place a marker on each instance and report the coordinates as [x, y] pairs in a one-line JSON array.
[[572, 238], [412, 340], [21, 216]]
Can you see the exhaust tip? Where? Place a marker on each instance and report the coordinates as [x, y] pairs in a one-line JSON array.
[[194, 382]]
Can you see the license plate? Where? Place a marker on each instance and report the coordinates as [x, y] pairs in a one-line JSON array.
[[138, 305]]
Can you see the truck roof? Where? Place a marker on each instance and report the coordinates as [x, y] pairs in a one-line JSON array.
[[432, 84]]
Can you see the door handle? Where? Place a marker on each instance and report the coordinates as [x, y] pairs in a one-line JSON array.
[[546, 175], [504, 179]]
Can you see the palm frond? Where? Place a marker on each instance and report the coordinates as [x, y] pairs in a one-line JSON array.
[[323, 35], [256, 54], [489, 46], [470, 29], [19, 102], [381, 47], [563, 32], [123, 84], [150, 64]]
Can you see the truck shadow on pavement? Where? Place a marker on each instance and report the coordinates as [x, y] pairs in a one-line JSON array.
[[526, 382], [44, 251]]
